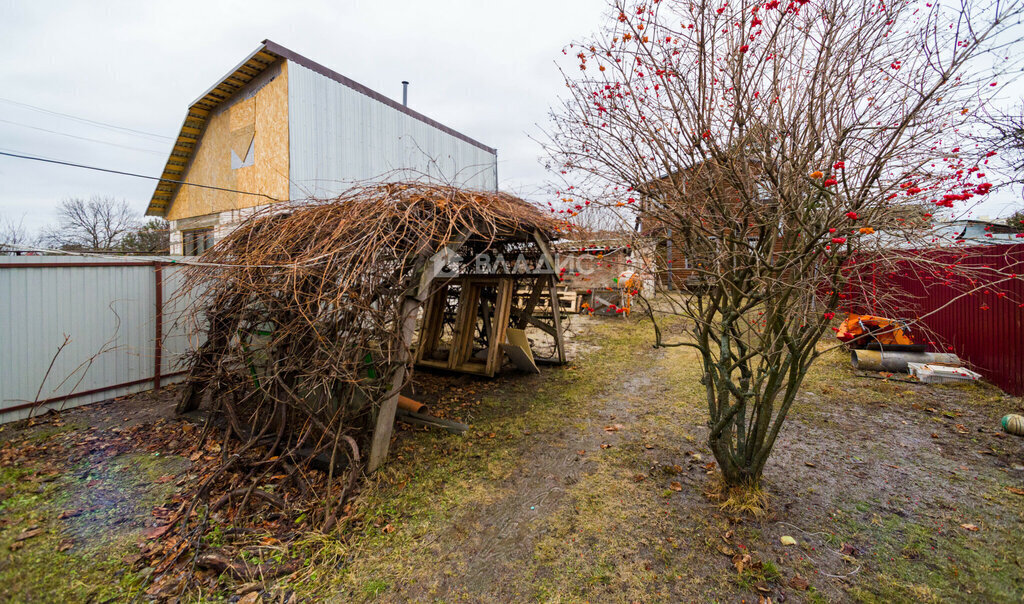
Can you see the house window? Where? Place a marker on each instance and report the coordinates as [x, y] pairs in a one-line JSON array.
[[197, 241]]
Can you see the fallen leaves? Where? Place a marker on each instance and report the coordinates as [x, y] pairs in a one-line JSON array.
[[25, 535], [969, 527], [799, 583], [28, 534], [614, 428], [787, 540], [675, 486], [155, 532], [1015, 490], [741, 561]]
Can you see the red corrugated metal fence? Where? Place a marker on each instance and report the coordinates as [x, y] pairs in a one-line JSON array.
[[985, 329]]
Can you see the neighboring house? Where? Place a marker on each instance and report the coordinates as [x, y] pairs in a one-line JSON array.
[[281, 127], [677, 267], [952, 233], [976, 231]]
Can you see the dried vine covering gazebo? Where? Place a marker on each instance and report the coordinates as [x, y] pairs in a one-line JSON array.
[[310, 313]]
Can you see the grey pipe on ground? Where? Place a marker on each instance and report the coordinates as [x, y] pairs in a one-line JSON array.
[[877, 360]]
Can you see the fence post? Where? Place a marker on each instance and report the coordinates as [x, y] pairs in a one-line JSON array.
[[158, 326]]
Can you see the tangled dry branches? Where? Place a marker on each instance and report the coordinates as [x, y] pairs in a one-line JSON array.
[[302, 308]]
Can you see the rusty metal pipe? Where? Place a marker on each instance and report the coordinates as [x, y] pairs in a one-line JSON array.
[[409, 404]]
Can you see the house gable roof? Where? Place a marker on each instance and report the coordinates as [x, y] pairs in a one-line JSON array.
[[251, 67]]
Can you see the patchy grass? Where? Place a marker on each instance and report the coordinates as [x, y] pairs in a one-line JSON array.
[[90, 519], [587, 483], [941, 562], [453, 519], [434, 477]]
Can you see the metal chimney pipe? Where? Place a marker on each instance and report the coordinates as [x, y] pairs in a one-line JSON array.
[[405, 93]]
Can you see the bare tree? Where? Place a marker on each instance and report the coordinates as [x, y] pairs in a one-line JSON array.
[[1005, 133], [99, 224], [1016, 221], [13, 235], [785, 148], [153, 237]]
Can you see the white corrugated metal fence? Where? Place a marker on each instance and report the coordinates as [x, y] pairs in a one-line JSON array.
[[76, 329]]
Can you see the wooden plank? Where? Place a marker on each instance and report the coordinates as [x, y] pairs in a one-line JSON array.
[[506, 319], [433, 323], [432, 320], [433, 363], [424, 341], [556, 319], [463, 324], [571, 301], [502, 310], [532, 320], [518, 350], [386, 413], [531, 304], [472, 314], [489, 314], [519, 358], [544, 249]]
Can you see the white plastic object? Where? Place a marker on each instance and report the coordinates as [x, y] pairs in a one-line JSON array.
[[941, 374]]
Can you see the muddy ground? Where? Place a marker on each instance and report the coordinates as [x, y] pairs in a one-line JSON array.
[[584, 483]]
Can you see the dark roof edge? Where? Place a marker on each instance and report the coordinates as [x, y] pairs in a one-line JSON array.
[[295, 57], [226, 76]]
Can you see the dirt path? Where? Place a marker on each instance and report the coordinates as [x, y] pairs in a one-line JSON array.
[[875, 480], [488, 546]]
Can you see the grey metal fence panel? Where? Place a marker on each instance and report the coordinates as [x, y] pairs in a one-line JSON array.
[[75, 330]]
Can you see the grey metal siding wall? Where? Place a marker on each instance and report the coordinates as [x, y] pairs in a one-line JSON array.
[[339, 136], [107, 312]]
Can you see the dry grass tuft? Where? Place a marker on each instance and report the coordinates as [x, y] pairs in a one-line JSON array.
[[746, 499]]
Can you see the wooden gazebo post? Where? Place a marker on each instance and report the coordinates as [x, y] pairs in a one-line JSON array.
[[556, 307], [424, 274]]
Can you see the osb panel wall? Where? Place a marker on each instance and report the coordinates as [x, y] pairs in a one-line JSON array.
[[263, 114]]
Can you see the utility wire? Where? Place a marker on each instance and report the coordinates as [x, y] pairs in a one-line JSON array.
[[86, 120], [109, 171], [83, 138]]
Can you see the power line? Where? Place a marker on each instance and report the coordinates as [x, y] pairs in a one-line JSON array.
[[87, 120], [109, 171], [84, 138]]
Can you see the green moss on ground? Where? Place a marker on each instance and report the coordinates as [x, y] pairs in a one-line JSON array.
[[78, 557]]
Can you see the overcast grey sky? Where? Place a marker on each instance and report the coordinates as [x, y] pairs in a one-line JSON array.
[[484, 68]]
